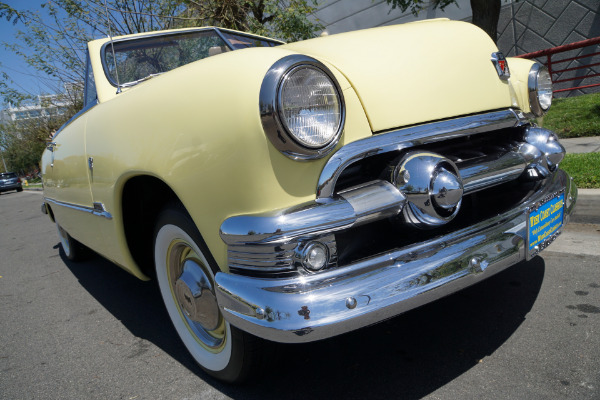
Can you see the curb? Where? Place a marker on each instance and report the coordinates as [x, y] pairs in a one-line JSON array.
[[588, 192]]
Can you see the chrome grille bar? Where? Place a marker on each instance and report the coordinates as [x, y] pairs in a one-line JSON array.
[[409, 137]]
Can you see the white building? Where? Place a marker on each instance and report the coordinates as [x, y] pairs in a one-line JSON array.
[[42, 106]]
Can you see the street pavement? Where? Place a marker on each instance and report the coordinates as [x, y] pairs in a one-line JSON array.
[[92, 331]]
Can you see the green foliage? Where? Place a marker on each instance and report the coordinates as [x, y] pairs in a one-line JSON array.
[[23, 141], [52, 40], [584, 169], [574, 116], [416, 6], [282, 19]]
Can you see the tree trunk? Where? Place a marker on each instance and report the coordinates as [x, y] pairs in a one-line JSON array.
[[486, 14]]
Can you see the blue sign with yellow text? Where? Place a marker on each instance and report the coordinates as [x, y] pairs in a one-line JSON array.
[[545, 222]]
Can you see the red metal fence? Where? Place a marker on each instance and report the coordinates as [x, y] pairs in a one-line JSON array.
[[551, 63]]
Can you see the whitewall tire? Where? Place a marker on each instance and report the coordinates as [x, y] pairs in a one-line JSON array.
[[186, 281]]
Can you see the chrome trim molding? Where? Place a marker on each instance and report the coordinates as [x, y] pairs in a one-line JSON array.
[[409, 137], [274, 242], [269, 107], [532, 86], [382, 286], [356, 206], [97, 209]]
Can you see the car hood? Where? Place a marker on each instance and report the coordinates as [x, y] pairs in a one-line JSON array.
[[417, 72]]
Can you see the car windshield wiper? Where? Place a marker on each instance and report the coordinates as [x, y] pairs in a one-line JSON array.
[[133, 83]]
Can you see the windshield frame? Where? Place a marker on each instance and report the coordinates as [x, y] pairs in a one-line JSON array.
[[231, 47]]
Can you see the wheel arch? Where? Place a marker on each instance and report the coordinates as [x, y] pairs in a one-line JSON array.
[[143, 198], [50, 212]]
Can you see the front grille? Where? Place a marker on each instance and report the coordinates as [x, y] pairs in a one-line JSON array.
[[391, 234], [464, 170], [485, 200], [465, 151]]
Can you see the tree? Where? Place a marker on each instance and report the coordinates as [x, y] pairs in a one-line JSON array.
[[53, 41], [485, 12], [283, 19], [22, 141], [54, 44]]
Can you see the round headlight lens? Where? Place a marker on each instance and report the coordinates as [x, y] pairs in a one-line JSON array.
[[540, 89], [544, 88], [310, 106]]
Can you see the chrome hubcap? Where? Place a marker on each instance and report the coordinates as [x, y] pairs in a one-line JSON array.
[[195, 296], [192, 288]]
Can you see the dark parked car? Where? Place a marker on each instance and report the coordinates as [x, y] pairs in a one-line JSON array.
[[10, 181]]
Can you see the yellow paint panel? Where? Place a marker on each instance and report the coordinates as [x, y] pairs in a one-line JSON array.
[[413, 73]]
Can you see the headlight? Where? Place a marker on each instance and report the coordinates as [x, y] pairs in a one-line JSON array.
[[309, 106], [302, 108], [540, 89]]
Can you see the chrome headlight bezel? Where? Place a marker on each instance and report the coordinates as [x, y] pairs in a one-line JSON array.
[[533, 83], [271, 109]]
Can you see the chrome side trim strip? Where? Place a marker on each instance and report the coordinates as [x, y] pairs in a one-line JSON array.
[[97, 210], [314, 307], [409, 137]]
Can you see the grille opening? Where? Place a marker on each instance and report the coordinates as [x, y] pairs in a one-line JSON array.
[[467, 149], [392, 234]]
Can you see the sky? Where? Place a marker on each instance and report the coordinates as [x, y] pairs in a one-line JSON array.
[[24, 76]]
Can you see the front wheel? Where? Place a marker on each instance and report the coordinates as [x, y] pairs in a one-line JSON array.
[[186, 280]]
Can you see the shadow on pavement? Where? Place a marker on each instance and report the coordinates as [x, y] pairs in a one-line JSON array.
[[406, 357]]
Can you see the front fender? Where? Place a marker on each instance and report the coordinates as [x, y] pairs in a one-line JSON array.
[[198, 129]]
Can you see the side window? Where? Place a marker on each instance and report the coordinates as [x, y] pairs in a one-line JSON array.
[[90, 84]]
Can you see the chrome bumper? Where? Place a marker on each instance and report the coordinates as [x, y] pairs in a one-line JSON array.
[[314, 307]]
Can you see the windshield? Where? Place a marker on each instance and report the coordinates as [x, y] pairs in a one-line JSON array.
[[143, 58]]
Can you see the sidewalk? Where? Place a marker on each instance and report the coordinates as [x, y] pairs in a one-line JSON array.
[[582, 144], [582, 234]]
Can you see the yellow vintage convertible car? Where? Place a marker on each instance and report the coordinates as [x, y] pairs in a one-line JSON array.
[[294, 192]]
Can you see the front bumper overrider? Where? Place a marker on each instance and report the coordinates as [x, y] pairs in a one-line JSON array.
[[306, 308]]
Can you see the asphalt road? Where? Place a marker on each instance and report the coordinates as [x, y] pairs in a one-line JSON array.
[[91, 331]]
